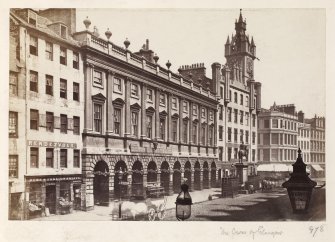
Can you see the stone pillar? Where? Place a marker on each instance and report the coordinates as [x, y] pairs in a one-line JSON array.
[[171, 183], [209, 178], [111, 187], [109, 104], [57, 196], [157, 96], [129, 186], [71, 191], [145, 181], [87, 192], [191, 188], [43, 197], [88, 111], [159, 178], [143, 113], [190, 124], [169, 122], [201, 179], [127, 129]]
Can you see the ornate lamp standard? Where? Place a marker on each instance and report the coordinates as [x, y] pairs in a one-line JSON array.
[[299, 186], [120, 175], [183, 203]]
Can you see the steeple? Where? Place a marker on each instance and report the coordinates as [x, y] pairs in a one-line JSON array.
[[240, 26], [240, 19]]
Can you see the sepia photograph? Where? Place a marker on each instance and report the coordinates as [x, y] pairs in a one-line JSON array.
[[209, 115]]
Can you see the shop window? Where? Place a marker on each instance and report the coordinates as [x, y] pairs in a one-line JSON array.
[[33, 45], [33, 157], [63, 158], [49, 85], [35, 193], [63, 123], [50, 121], [34, 118], [65, 191], [50, 157], [49, 52], [13, 125], [33, 81], [13, 166], [76, 91]]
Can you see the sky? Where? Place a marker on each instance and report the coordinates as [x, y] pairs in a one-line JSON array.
[[291, 45]]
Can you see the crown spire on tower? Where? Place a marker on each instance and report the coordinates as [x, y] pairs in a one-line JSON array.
[[240, 19]]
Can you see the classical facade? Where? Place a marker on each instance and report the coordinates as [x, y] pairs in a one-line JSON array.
[[240, 100], [143, 123], [45, 112]]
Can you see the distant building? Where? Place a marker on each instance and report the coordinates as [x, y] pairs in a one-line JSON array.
[[45, 112]]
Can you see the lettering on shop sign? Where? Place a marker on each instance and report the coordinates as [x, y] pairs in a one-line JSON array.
[[51, 144]]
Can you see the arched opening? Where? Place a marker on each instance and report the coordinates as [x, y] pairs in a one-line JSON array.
[[197, 176], [101, 184], [176, 177], [120, 190], [213, 175], [205, 175], [165, 176], [152, 172], [188, 174], [137, 189]]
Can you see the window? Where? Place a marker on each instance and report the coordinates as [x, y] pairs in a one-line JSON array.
[[174, 130], [194, 133], [185, 107], [210, 136], [63, 158], [117, 120], [247, 118], [203, 134], [241, 135], [63, 123], [274, 154], [50, 157], [162, 99], [34, 119], [253, 120], [229, 114], [149, 126], [97, 77], [246, 101], [75, 61], [185, 126], [266, 123], [134, 123], [76, 158], [235, 135], [253, 154], [195, 110], [134, 90], [274, 139], [274, 123], [75, 91], [63, 88], [33, 157], [63, 31], [235, 116], [63, 56], [229, 154], [13, 166], [241, 117], [162, 128], [76, 125], [253, 138], [49, 51], [229, 95], [211, 115], [221, 112], [247, 137], [235, 153], [174, 103], [229, 134], [203, 113], [149, 95], [117, 85], [13, 125], [33, 46], [97, 116], [32, 19], [13, 83], [221, 92], [241, 99], [49, 85], [33, 81], [235, 97], [220, 153], [49, 122], [220, 132]]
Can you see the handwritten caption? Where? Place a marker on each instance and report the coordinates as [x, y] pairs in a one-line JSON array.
[[315, 230], [253, 233]]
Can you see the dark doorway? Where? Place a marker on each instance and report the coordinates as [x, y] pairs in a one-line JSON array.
[[205, 173], [176, 177], [137, 180], [77, 197], [213, 175], [101, 184], [188, 174], [152, 172], [120, 190], [197, 176], [50, 198], [165, 176]]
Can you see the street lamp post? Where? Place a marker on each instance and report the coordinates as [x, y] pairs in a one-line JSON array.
[[299, 186], [120, 175], [183, 203]]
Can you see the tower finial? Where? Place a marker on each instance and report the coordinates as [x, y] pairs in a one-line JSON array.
[[240, 19]]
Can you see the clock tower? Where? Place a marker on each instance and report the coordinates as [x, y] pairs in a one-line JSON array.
[[240, 53]]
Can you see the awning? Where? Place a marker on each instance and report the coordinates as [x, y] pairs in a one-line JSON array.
[[317, 167], [275, 167]]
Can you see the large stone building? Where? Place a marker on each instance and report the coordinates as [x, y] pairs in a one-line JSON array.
[[45, 112]]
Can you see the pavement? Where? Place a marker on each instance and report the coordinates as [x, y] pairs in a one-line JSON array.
[[260, 206]]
